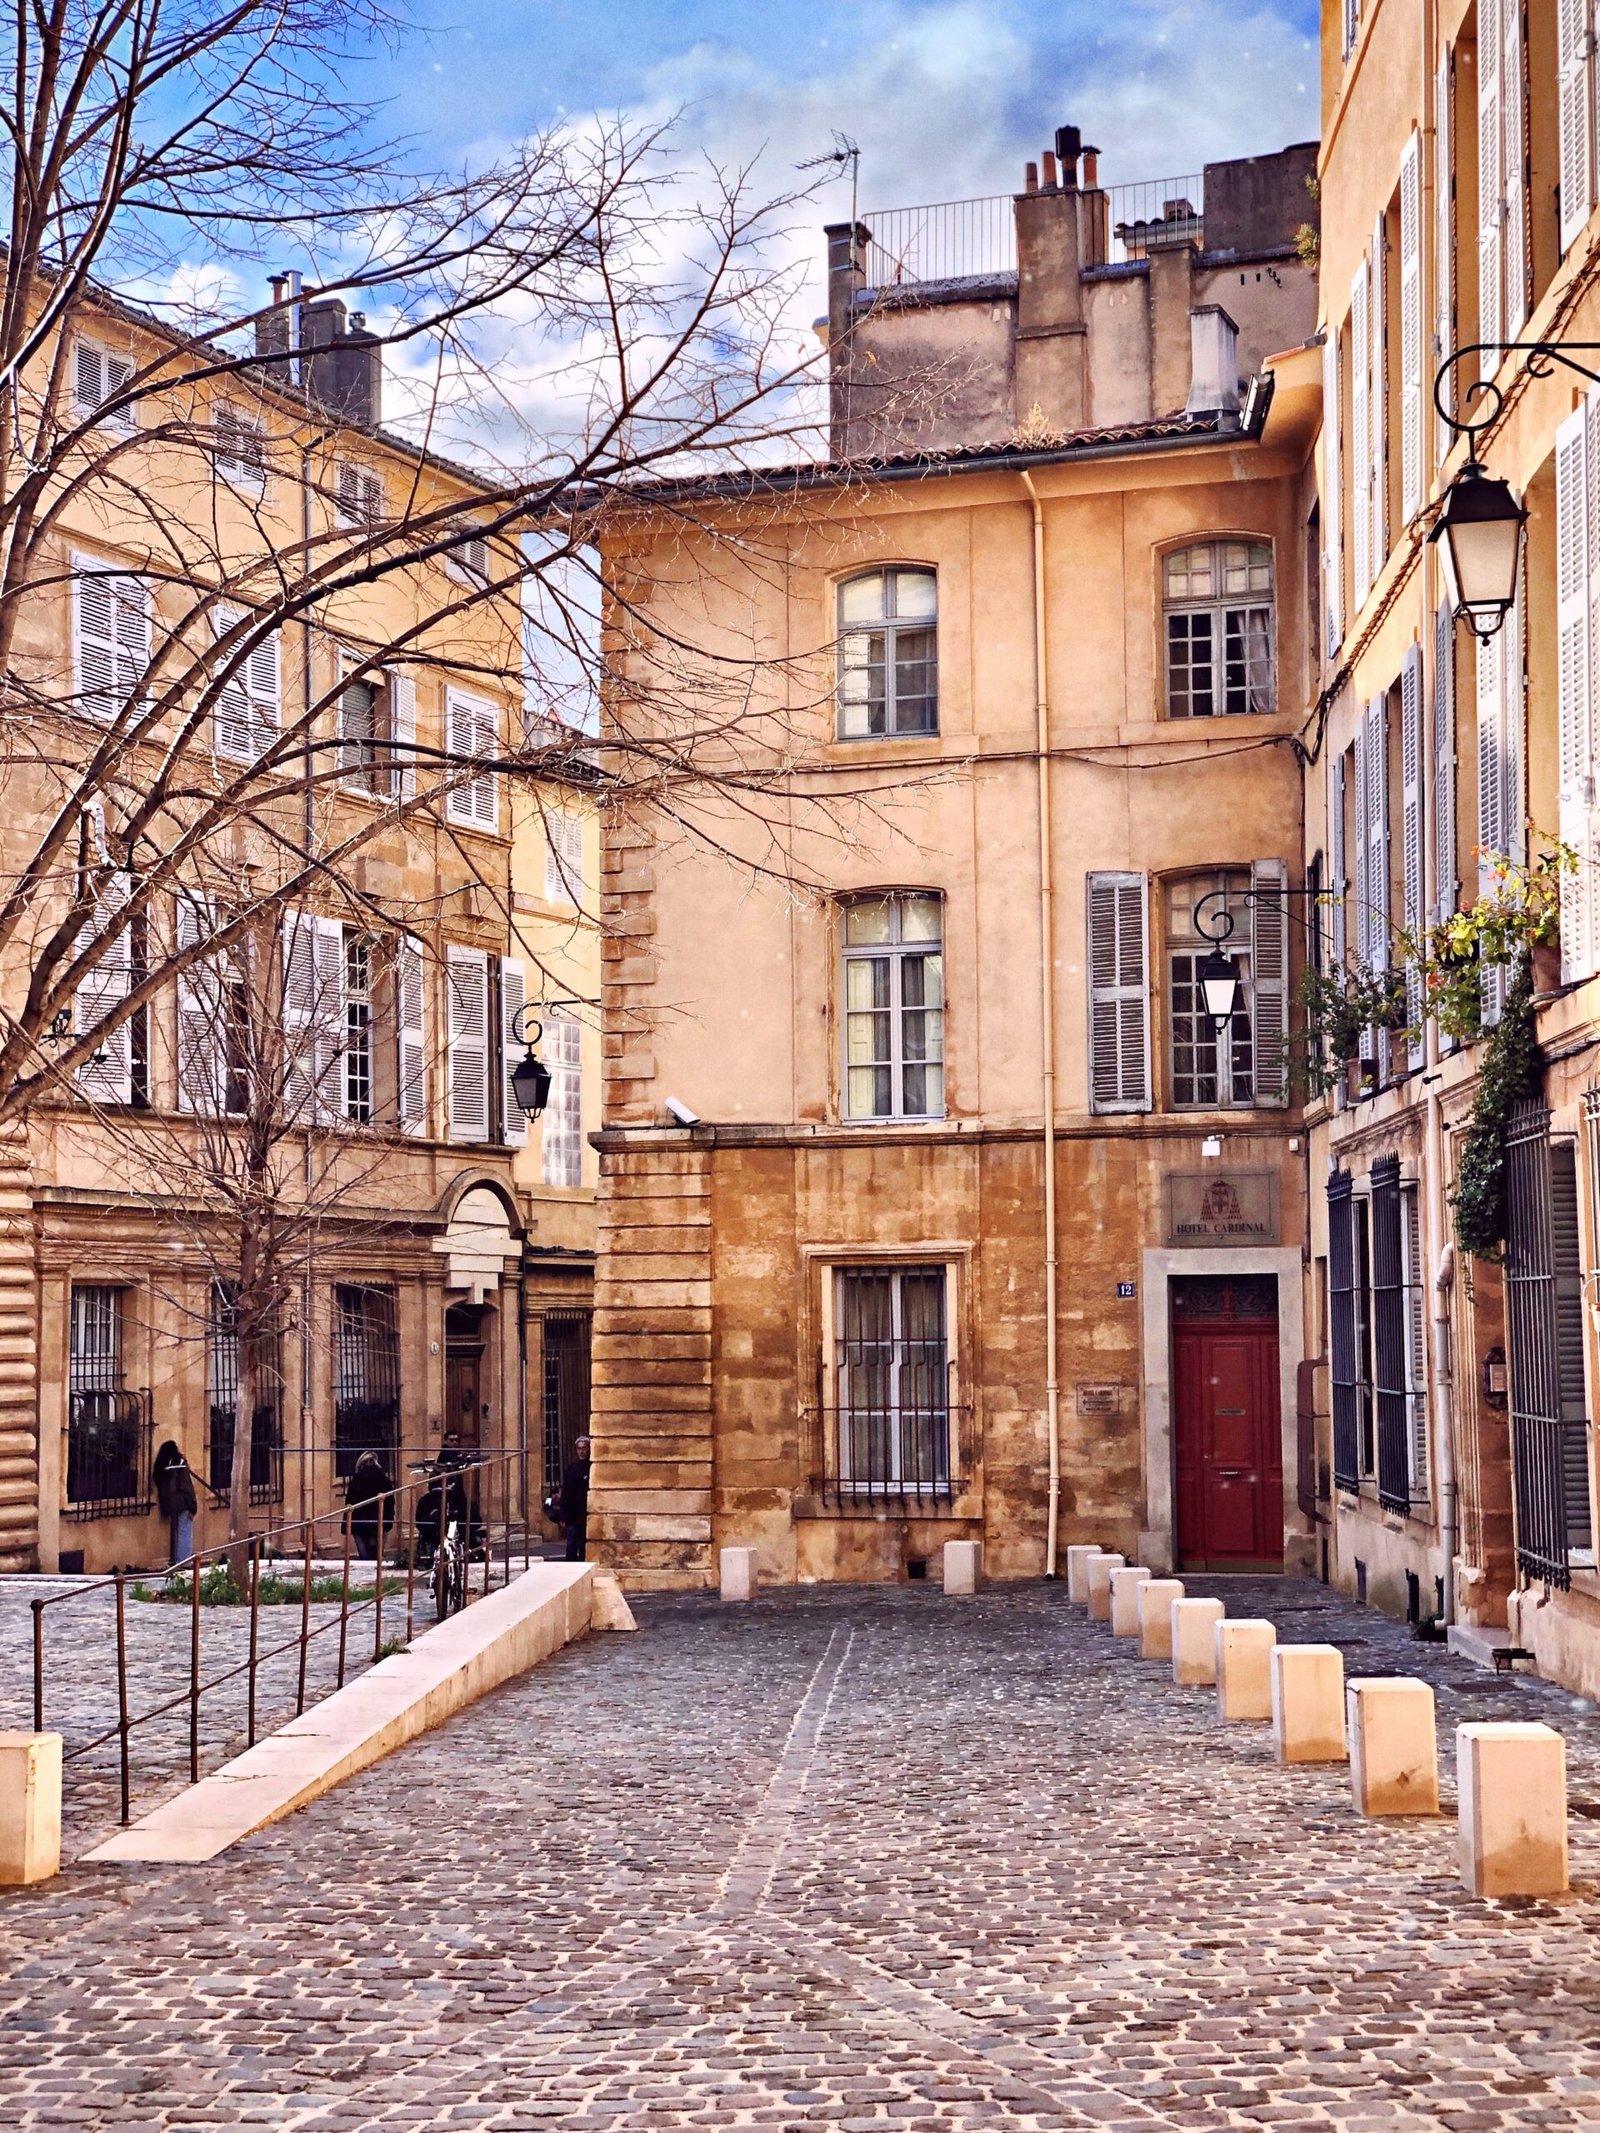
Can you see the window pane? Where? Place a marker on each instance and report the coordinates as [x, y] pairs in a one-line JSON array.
[[1189, 675], [869, 1092], [866, 921], [861, 599], [916, 682], [915, 595], [1247, 659], [921, 918], [867, 1038], [862, 682]]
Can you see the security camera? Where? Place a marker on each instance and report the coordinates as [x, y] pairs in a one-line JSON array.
[[680, 1114]]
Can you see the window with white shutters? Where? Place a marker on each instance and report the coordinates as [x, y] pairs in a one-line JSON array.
[[1373, 787], [1444, 241], [98, 377], [1332, 498], [106, 1076], [363, 742], [1516, 260], [1412, 749], [239, 448], [1339, 874], [468, 1052], [1575, 47], [472, 734], [1491, 197], [1447, 882], [563, 857], [1378, 411], [213, 1019], [360, 495], [313, 1017], [1414, 1305], [561, 1128], [513, 994], [1119, 992], [1351, 23], [244, 722], [411, 1034], [1361, 559], [1575, 563], [1413, 482], [1269, 979], [402, 690], [110, 638]]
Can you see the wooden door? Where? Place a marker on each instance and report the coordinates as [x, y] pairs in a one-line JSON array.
[[1229, 1445], [462, 1399]]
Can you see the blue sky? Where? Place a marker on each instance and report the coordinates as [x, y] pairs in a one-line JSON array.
[[946, 97]]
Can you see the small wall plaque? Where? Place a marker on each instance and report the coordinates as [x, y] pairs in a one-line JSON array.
[[1099, 1399], [1127, 1288], [1226, 1207]]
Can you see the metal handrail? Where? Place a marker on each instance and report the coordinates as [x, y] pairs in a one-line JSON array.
[[266, 1546]]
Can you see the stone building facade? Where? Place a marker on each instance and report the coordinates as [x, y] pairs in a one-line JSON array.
[[930, 1205], [447, 1250]]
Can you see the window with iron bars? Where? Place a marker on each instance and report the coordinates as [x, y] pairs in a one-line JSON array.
[[566, 1390], [889, 1402], [266, 1426], [108, 1426], [366, 1409]]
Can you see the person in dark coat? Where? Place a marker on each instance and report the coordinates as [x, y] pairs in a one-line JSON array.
[[572, 1504], [368, 1484], [175, 1500]]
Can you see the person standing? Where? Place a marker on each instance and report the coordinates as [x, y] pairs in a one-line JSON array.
[[365, 1493], [573, 1502], [175, 1500]]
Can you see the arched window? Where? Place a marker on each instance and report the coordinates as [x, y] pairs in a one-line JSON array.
[[888, 654], [1217, 602], [894, 1007]]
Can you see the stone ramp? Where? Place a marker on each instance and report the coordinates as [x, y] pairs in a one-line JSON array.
[[443, 1670]]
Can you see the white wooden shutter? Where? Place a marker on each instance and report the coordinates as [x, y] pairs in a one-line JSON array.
[[467, 970], [1574, 687], [98, 376], [411, 1035], [1119, 992], [1378, 411], [1490, 196], [1513, 727], [1412, 430], [1411, 836], [1491, 815], [1444, 239], [1360, 829], [473, 732], [403, 733], [563, 863], [1447, 884], [358, 719], [110, 638], [1415, 1292], [245, 717], [313, 1017], [202, 1041], [1377, 797], [1351, 24], [1269, 979], [106, 1077], [1339, 884], [1332, 498], [1514, 168], [513, 992], [1574, 97], [262, 688], [1361, 432]]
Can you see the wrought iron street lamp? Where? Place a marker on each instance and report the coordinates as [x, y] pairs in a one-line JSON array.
[[1221, 991], [530, 1077]]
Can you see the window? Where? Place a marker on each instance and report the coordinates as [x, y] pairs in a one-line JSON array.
[[468, 563], [1343, 1369], [239, 447], [888, 654], [110, 638], [1575, 66], [357, 1027], [1217, 600], [894, 1007], [561, 1140], [467, 1057], [891, 1382], [108, 1427], [566, 1390], [563, 857], [216, 1027], [1393, 1326], [1209, 1072], [411, 1061], [1366, 1411], [1119, 992], [266, 1428], [366, 1375], [360, 495], [363, 759], [1414, 1283], [473, 729], [109, 1074], [245, 718], [99, 377], [1503, 247]]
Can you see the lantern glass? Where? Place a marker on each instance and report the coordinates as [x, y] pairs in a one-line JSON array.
[[1480, 529], [530, 1083], [1219, 987]]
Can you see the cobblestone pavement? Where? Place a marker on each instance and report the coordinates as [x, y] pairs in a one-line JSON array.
[[844, 1857]]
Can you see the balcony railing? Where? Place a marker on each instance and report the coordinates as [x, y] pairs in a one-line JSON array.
[[959, 240], [108, 1453]]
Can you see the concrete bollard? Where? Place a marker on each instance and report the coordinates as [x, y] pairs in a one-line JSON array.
[[1099, 1595], [1194, 1642], [1244, 1669], [1078, 1570], [1308, 1703], [738, 1573], [1156, 1596], [1125, 1585], [1512, 1833], [1394, 1754], [30, 1807], [961, 1566]]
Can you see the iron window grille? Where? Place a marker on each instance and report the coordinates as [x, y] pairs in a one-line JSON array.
[[1545, 1337], [108, 1425], [1209, 1072], [566, 1390], [888, 654], [894, 1007], [266, 1426], [1217, 599], [1342, 1329], [366, 1410], [889, 1408]]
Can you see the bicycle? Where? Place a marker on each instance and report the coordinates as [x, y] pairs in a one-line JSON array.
[[448, 1579]]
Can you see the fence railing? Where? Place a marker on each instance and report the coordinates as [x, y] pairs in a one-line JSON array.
[[391, 1534], [955, 240]]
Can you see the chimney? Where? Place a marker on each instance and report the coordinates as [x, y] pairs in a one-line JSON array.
[[1050, 181], [341, 364], [1091, 170], [278, 330], [1030, 178], [847, 276], [1214, 363], [1069, 146]]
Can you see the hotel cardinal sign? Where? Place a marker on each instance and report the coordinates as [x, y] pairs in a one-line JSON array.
[[1222, 1207]]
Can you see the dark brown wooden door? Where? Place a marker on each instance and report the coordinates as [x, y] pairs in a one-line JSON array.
[[1229, 1446]]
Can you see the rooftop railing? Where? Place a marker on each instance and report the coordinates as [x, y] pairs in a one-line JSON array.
[[960, 240]]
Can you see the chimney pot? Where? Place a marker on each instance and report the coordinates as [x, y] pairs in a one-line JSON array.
[[1069, 143], [1091, 169], [1050, 180], [1030, 183]]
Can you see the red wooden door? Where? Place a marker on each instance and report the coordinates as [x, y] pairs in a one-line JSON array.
[[1229, 1446]]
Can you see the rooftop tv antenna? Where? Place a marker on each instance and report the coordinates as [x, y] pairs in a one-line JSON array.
[[843, 151]]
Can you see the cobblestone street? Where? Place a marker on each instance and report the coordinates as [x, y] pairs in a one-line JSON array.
[[848, 1857]]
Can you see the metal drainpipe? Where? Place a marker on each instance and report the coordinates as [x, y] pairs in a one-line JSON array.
[[1047, 1017]]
